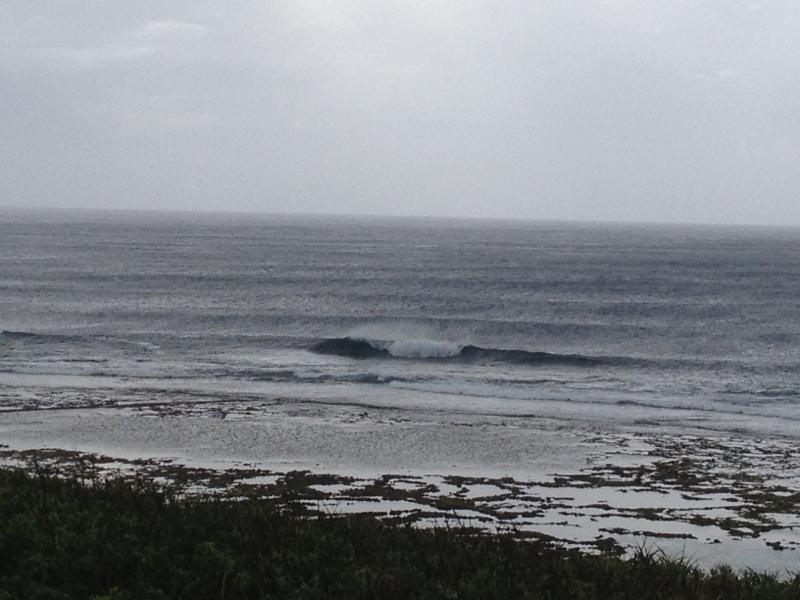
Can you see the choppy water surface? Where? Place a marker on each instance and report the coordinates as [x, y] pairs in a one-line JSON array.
[[507, 316]]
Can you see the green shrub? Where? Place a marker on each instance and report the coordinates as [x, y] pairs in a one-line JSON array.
[[119, 540]]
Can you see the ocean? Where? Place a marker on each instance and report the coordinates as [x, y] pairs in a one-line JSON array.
[[673, 318]]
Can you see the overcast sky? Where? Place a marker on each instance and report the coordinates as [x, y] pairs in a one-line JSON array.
[[674, 110]]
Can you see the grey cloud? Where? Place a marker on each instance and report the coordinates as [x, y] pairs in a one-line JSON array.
[[170, 27], [92, 57], [676, 111]]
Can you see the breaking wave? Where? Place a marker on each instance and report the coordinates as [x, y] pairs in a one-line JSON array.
[[432, 349]]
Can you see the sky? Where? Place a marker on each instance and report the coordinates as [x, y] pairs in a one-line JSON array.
[[654, 111]]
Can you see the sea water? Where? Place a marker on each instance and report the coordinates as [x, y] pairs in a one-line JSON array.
[[589, 326]]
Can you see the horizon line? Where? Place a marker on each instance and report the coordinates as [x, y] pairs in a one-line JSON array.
[[394, 216]]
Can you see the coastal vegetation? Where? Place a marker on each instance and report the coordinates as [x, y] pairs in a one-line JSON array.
[[132, 538]]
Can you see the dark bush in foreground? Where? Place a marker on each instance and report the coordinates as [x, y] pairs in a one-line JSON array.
[[67, 539]]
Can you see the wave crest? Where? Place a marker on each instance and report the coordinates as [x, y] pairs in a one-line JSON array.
[[432, 349], [36, 337]]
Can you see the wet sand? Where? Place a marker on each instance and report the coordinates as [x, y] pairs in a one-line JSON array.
[[710, 497]]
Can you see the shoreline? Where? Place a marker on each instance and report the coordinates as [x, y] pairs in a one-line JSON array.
[[63, 539], [713, 501]]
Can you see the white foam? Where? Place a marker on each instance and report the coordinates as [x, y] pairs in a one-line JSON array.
[[422, 348], [406, 340]]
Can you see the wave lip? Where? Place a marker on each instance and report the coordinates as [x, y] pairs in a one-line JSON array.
[[435, 350]]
